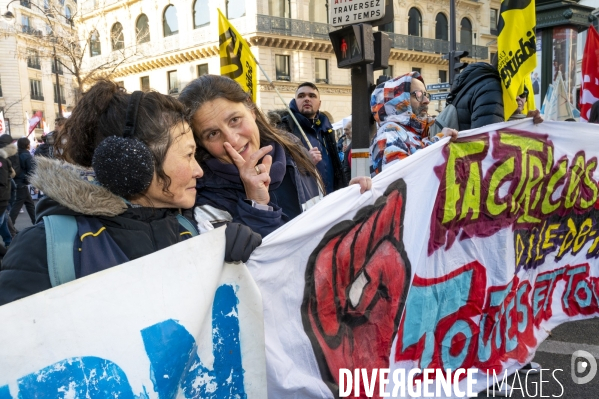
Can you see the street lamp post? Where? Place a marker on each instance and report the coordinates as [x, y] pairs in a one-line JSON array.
[[9, 16]]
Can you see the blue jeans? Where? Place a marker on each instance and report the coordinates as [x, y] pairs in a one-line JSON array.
[[6, 236]]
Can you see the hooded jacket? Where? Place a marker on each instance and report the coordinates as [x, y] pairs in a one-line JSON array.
[[290, 192], [321, 135], [482, 102], [136, 231], [5, 174]]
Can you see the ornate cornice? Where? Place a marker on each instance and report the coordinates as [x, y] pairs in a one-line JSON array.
[[284, 87]]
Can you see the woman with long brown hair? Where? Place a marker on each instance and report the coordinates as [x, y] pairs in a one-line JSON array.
[[127, 187], [255, 173]]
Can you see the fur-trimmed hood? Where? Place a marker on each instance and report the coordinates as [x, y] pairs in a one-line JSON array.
[[8, 151], [74, 187]]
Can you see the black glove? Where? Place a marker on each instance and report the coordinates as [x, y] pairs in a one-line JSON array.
[[241, 242]]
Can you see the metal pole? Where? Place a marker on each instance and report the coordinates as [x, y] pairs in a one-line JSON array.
[[362, 80], [58, 98], [452, 39]]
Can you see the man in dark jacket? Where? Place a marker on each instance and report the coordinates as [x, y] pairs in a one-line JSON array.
[[22, 181], [306, 109], [479, 96]]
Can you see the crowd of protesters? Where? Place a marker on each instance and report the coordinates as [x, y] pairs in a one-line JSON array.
[[149, 165]]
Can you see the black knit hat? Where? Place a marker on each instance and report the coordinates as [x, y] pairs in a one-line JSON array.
[[5, 140]]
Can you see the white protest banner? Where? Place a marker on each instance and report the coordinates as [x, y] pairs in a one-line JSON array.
[[461, 257], [174, 324]]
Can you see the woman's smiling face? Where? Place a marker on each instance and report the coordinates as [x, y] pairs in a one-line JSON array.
[[222, 121]]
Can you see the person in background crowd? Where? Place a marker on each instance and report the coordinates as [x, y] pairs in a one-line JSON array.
[[481, 98], [46, 148], [344, 149], [400, 107], [131, 184], [306, 109], [520, 101], [22, 182], [254, 174], [7, 149], [594, 114]]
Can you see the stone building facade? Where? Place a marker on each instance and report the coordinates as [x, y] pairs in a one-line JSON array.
[[27, 72], [171, 42]]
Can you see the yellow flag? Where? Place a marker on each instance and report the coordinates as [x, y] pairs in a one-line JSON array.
[[517, 50], [236, 59]]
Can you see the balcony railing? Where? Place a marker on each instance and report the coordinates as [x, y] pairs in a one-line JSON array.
[[38, 97], [315, 30], [34, 63], [30, 31], [417, 43], [293, 27]]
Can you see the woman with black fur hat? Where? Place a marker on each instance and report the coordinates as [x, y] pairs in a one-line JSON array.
[[130, 181]]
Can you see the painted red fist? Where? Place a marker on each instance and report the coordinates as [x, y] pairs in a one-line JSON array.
[[356, 285]]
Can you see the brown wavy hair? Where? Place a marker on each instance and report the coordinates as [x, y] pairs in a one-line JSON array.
[[207, 88], [101, 113]]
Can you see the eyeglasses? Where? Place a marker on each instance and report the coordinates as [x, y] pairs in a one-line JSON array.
[[419, 95], [523, 95]]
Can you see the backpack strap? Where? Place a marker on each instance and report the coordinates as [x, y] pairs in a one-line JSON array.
[[183, 221], [61, 231]]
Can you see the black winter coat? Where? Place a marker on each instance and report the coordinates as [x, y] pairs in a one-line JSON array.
[[482, 102], [26, 163], [136, 231], [320, 134], [5, 171]]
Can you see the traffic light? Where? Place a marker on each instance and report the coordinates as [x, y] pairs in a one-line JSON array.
[[455, 63], [382, 50], [458, 65], [353, 45]]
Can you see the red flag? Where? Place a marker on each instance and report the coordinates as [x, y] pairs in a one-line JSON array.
[[34, 121], [590, 74]]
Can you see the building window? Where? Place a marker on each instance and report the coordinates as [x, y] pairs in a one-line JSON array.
[[57, 66], [492, 58], [419, 70], [318, 11], [493, 20], [170, 25], [33, 59], [441, 27], [282, 67], [443, 76], [414, 22], [201, 14], [388, 71], [63, 99], [142, 29], [25, 24], [35, 87], [321, 71], [95, 48], [387, 27], [144, 83], [235, 9], [280, 8], [68, 14], [117, 38], [202, 69], [466, 32], [173, 82]]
